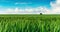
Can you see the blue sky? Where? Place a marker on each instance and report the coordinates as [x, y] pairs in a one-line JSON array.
[[23, 6], [28, 3]]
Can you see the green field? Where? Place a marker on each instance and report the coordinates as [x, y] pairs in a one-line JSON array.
[[30, 23]]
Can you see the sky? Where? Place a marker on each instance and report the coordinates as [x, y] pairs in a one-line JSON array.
[[29, 6]]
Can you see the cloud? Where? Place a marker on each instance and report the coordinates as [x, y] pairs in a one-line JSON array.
[[22, 3], [55, 7], [43, 10], [58, 1], [25, 11]]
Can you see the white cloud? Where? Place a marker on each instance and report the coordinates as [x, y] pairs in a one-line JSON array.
[[36, 10], [43, 10], [58, 1], [55, 7], [22, 3], [26, 10]]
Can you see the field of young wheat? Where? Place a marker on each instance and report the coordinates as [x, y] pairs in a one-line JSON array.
[[29, 23]]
